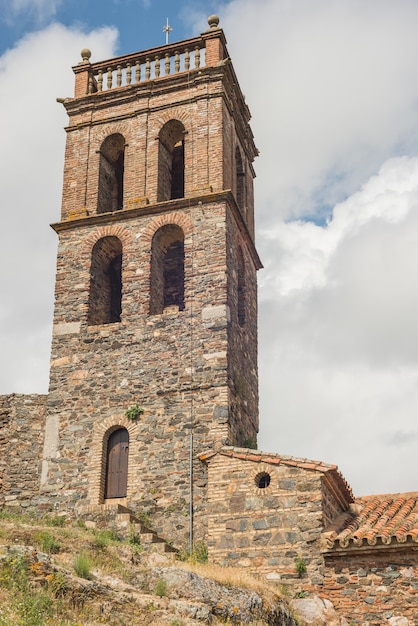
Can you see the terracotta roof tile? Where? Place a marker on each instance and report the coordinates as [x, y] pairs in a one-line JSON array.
[[386, 519], [277, 459]]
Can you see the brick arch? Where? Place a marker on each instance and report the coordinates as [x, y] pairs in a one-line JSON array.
[[99, 454], [174, 113], [110, 230], [177, 218], [259, 470], [111, 129]]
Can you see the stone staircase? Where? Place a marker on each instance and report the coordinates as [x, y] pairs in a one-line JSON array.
[[127, 525]]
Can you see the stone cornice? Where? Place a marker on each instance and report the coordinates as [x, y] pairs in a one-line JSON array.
[[163, 207]]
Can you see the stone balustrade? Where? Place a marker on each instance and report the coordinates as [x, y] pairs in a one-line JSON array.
[[136, 68], [133, 69]]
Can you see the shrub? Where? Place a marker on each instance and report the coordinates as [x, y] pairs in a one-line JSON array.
[[134, 538], [133, 412], [300, 566], [47, 542], [198, 555], [160, 588], [82, 566]]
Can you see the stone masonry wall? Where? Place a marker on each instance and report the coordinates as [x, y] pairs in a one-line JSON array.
[[242, 341], [375, 587], [22, 420], [174, 365], [267, 529]]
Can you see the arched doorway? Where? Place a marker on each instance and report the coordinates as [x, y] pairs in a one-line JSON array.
[[117, 464]]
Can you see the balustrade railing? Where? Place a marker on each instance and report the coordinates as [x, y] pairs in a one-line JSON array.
[[143, 66]]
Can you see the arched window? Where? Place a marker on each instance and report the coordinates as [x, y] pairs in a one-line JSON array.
[[167, 269], [171, 161], [105, 298], [117, 464], [241, 288], [240, 180], [112, 156]]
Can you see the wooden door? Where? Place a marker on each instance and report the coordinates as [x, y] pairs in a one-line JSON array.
[[117, 464]]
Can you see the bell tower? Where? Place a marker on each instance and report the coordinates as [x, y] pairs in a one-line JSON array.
[[155, 322]]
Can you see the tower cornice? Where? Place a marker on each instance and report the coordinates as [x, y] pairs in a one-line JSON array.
[[83, 219]]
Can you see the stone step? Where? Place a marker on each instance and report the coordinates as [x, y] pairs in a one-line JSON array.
[[125, 520], [150, 537]]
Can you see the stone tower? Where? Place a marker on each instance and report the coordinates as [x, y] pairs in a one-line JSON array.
[[155, 323]]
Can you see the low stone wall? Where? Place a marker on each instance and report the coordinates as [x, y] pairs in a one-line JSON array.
[[269, 529], [374, 587], [22, 419]]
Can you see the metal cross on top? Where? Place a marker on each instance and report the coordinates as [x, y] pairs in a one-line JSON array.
[[167, 30]]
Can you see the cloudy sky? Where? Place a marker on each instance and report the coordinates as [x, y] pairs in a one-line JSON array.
[[333, 89]]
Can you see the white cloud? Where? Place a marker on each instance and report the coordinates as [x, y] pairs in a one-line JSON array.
[[32, 156], [39, 9], [332, 85], [339, 334]]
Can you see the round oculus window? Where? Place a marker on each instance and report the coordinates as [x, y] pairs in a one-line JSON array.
[[262, 480]]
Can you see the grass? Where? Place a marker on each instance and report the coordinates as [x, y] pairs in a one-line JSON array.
[[55, 520], [46, 542], [40, 591], [105, 538], [233, 577], [160, 588], [83, 565], [25, 606], [16, 517], [198, 555]]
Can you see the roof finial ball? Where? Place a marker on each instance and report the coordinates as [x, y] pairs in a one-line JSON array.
[[85, 55], [213, 21]]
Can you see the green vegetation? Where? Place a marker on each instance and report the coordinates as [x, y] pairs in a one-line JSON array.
[[239, 385], [104, 538], [145, 518], [57, 521], [300, 566], [133, 412], [198, 555], [25, 607], [40, 590], [160, 588], [251, 444], [47, 542], [82, 566], [134, 539]]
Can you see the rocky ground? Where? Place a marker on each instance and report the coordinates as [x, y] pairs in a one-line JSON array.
[[59, 573]]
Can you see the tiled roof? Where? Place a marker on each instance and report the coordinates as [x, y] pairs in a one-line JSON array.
[[375, 520], [247, 454]]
